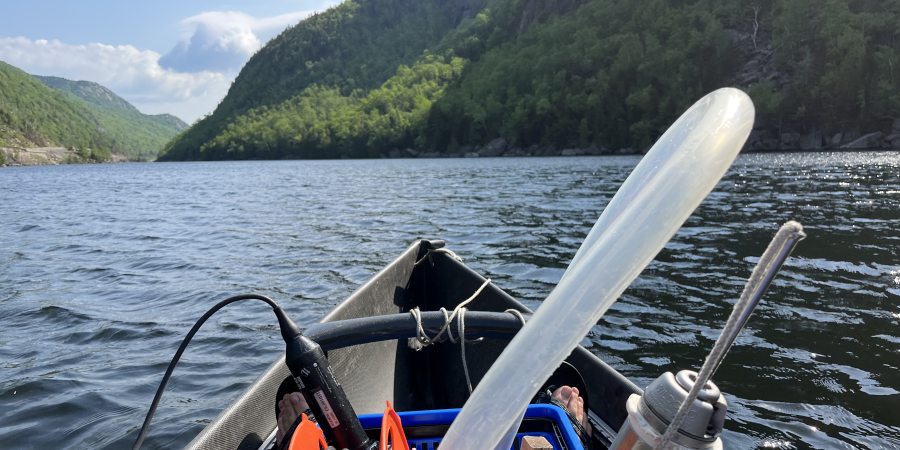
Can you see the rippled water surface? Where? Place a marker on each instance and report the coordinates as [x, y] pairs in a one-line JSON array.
[[104, 268]]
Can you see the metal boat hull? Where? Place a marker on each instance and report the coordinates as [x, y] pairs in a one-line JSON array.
[[368, 349]]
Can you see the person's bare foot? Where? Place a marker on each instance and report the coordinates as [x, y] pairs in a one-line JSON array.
[[575, 405], [291, 406]]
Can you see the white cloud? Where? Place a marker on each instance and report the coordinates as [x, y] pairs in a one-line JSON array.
[[188, 82], [133, 74], [224, 41]]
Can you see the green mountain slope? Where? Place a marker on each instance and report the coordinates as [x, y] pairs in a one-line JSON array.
[[103, 97], [77, 114], [548, 72], [88, 91], [353, 47], [169, 121], [33, 114]]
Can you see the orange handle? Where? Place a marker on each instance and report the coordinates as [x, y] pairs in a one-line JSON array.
[[307, 436], [391, 426]]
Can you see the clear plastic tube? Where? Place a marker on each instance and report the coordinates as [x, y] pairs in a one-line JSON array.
[[659, 195]]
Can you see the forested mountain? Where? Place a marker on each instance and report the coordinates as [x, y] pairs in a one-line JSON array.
[[103, 97], [77, 114], [370, 75], [88, 91]]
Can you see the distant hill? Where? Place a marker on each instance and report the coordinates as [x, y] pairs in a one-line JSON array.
[[170, 121], [441, 76], [77, 114], [32, 114], [90, 92], [105, 98]]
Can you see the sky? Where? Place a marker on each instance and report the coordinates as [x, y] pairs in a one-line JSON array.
[[164, 56]]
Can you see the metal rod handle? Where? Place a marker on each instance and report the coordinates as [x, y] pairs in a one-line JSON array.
[[771, 261]]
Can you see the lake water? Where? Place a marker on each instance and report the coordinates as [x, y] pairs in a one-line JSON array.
[[104, 269]]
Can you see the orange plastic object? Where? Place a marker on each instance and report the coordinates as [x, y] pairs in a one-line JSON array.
[[391, 426], [307, 436]]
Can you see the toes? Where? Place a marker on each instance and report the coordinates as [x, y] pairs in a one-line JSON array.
[[583, 413], [562, 394], [284, 419], [299, 402], [291, 405], [288, 414], [584, 417], [557, 393], [572, 406]]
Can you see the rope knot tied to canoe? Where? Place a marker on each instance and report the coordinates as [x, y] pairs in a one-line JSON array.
[[422, 339]]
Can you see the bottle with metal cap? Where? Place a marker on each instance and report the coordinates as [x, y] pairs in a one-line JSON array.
[[649, 415]]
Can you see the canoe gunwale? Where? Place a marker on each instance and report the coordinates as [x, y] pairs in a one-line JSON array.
[[345, 333]]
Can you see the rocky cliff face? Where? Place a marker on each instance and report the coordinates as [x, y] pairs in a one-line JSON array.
[[756, 51], [759, 66]]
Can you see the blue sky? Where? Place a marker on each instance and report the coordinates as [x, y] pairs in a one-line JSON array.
[[165, 56]]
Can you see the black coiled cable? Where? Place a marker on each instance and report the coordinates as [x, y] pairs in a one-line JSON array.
[[187, 339]]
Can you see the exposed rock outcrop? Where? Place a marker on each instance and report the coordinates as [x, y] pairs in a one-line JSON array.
[[44, 156], [850, 136], [867, 142], [893, 140], [514, 152], [759, 63], [494, 148], [812, 141], [789, 141], [835, 141], [593, 149]]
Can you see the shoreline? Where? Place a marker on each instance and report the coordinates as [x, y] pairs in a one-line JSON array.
[[565, 154], [535, 156], [57, 156], [47, 156]]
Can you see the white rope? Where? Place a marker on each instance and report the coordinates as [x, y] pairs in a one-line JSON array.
[[461, 327], [518, 314], [438, 250], [422, 340]]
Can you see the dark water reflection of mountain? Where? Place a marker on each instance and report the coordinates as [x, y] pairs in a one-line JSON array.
[[103, 269]]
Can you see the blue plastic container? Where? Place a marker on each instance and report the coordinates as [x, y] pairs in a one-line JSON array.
[[425, 429]]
